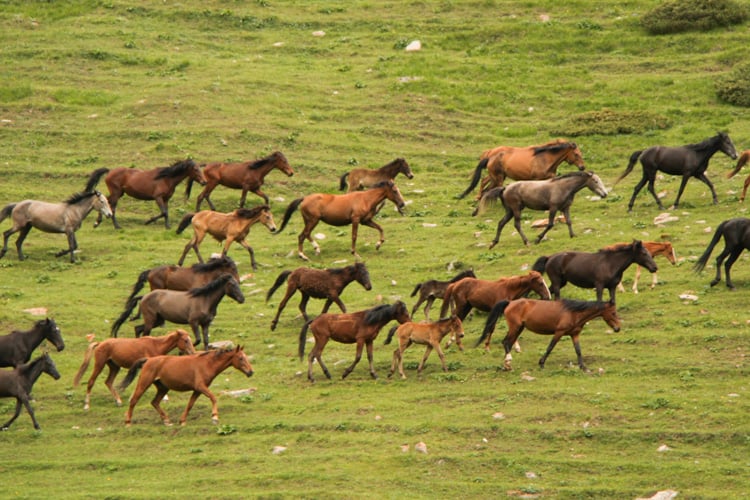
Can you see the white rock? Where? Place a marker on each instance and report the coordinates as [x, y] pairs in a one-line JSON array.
[[663, 448], [498, 416], [661, 495], [420, 447], [414, 46], [277, 450], [318, 33]]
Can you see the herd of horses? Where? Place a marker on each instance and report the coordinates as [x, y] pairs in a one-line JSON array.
[[190, 295]]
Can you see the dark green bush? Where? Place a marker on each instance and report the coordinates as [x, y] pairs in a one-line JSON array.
[[607, 122], [735, 87], [677, 16]]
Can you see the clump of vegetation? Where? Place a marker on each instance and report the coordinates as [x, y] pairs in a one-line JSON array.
[[735, 87], [608, 122], [677, 16]]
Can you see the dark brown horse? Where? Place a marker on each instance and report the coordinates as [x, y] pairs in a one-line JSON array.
[[318, 284], [536, 162], [247, 176], [226, 228], [196, 307], [17, 383], [365, 178], [545, 317], [359, 207], [17, 346], [736, 233], [157, 184], [553, 194], [744, 157], [687, 161], [183, 373], [348, 328], [428, 334], [433, 289], [599, 270], [655, 248], [123, 353]]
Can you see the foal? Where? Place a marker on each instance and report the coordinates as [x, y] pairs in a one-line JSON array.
[[17, 383], [432, 289], [429, 334]]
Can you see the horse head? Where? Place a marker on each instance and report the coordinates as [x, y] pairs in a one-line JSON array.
[[727, 146], [184, 342], [280, 162], [266, 218], [574, 156], [595, 184], [538, 284], [362, 276], [642, 257], [392, 193], [404, 168], [52, 333], [401, 312], [609, 315], [233, 290], [48, 367], [102, 205], [195, 172], [241, 362]]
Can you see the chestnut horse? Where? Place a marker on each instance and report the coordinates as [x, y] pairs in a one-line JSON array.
[[247, 176], [17, 383], [655, 248], [545, 317], [183, 373], [365, 178], [433, 289], [156, 184], [348, 328], [429, 334], [319, 284], [536, 162], [359, 207], [599, 270], [228, 228], [123, 353], [17, 346], [736, 233], [744, 157]]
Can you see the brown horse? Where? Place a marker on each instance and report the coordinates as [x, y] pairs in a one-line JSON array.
[[354, 208], [365, 178], [122, 353], [429, 334], [228, 228], [545, 317], [196, 307], [247, 176], [433, 289], [319, 284], [183, 373], [536, 162], [655, 248], [157, 184], [744, 157], [348, 328]]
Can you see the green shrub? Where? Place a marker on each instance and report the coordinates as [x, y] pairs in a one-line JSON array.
[[735, 87], [677, 16], [608, 122]]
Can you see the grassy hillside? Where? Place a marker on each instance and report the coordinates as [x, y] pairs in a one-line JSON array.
[[95, 84]]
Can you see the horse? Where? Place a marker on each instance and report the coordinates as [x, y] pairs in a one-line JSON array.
[[17, 346], [433, 289], [736, 233], [354, 208], [365, 178], [123, 353], [556, 318], [17, 383], [247, 176], [429, 334], [348, 328], [655, 248], [537, 162], [65, 217], [688, 161], [552, 194], [183, 373], [157, 184], [319, 284], [744, 157], [229, 227], [195, 307], [599, 270]]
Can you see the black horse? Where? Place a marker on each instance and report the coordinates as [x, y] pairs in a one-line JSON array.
[[599, 270], [17, 383], [736, 233], [17, 346], [688, 161]]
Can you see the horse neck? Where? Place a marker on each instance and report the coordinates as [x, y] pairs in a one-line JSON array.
[[624, 258], [218, 362], [375, 196], [517, 287], [589, 314], [82, 208], [391, 169], [32, 338], [558, 159], [31, 372]]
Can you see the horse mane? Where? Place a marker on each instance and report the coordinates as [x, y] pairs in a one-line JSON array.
[[705, 144], [249, 213], [384, 183], [575, 173], [260, 163], [380, 313], [618, 247], [580, 305], [79, 197], [211, 287], [214, 264], [553, 147], [176, 169], [462, 275]]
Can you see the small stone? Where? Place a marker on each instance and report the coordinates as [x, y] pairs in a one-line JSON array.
[[318, 33], [414, 46], [498, 416], [277, 450], [420, 447], [663, 448]]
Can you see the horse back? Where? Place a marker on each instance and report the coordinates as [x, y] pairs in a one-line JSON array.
[[341, 327], [672, 160]]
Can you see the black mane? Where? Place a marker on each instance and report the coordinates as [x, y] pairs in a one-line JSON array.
[[580, 305], [554, 148], [176, 169], [79, 197], [214, 264], [211, 287]]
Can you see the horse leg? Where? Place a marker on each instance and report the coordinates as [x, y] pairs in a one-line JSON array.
[[368, 345], [161, 391], [262, 195], [72, 247], [140, 388], [113, 198], [191, 402], [23, 232], [728, 265], [373, 225], [637, 190], [744, 188], [289, 292], [635, 279], [551, 346], [427, 352], [719, 259], [204, 195], [15, 416], [702, 177], [305, 234], [357, 357], [316, 353], [427, 307], [683, 183], [566, 214], [500, 225], [335, 298], [162, 204], [114, 369], [6, 235], [246, 246], [577, 347], [510, 339], [550, 224], [355, 229]]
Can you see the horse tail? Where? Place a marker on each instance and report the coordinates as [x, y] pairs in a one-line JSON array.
[[495, 313], [741, 163], [85, 364], [185, 222], [475, 178], [490, 198], [5, 212], [128, 309], [342, 182], [288, 214], [416, 289], [633, 158], [390, 334], [188, 188], [132, 373], [282, 277], [698, 267], [303, 339], [94, 178], [447, 298], [142, 278], [540, 264]]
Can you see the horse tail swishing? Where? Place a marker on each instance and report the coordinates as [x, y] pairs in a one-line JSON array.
[[476, 177], [85, 364], [288, 213], [5, 212], [342, 182], [495, 314], [132, 374], [633, 159], [416, 289], [390, 334], [540, 264], [698, 267], [303, 339], [142, 279], [279, 281], [185, 222], [132, 303], [94, 178]]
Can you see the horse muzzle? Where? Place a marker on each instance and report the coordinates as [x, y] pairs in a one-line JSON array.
[[249, 373]]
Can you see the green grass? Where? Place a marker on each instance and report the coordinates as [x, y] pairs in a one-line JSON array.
[[106, 84]]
